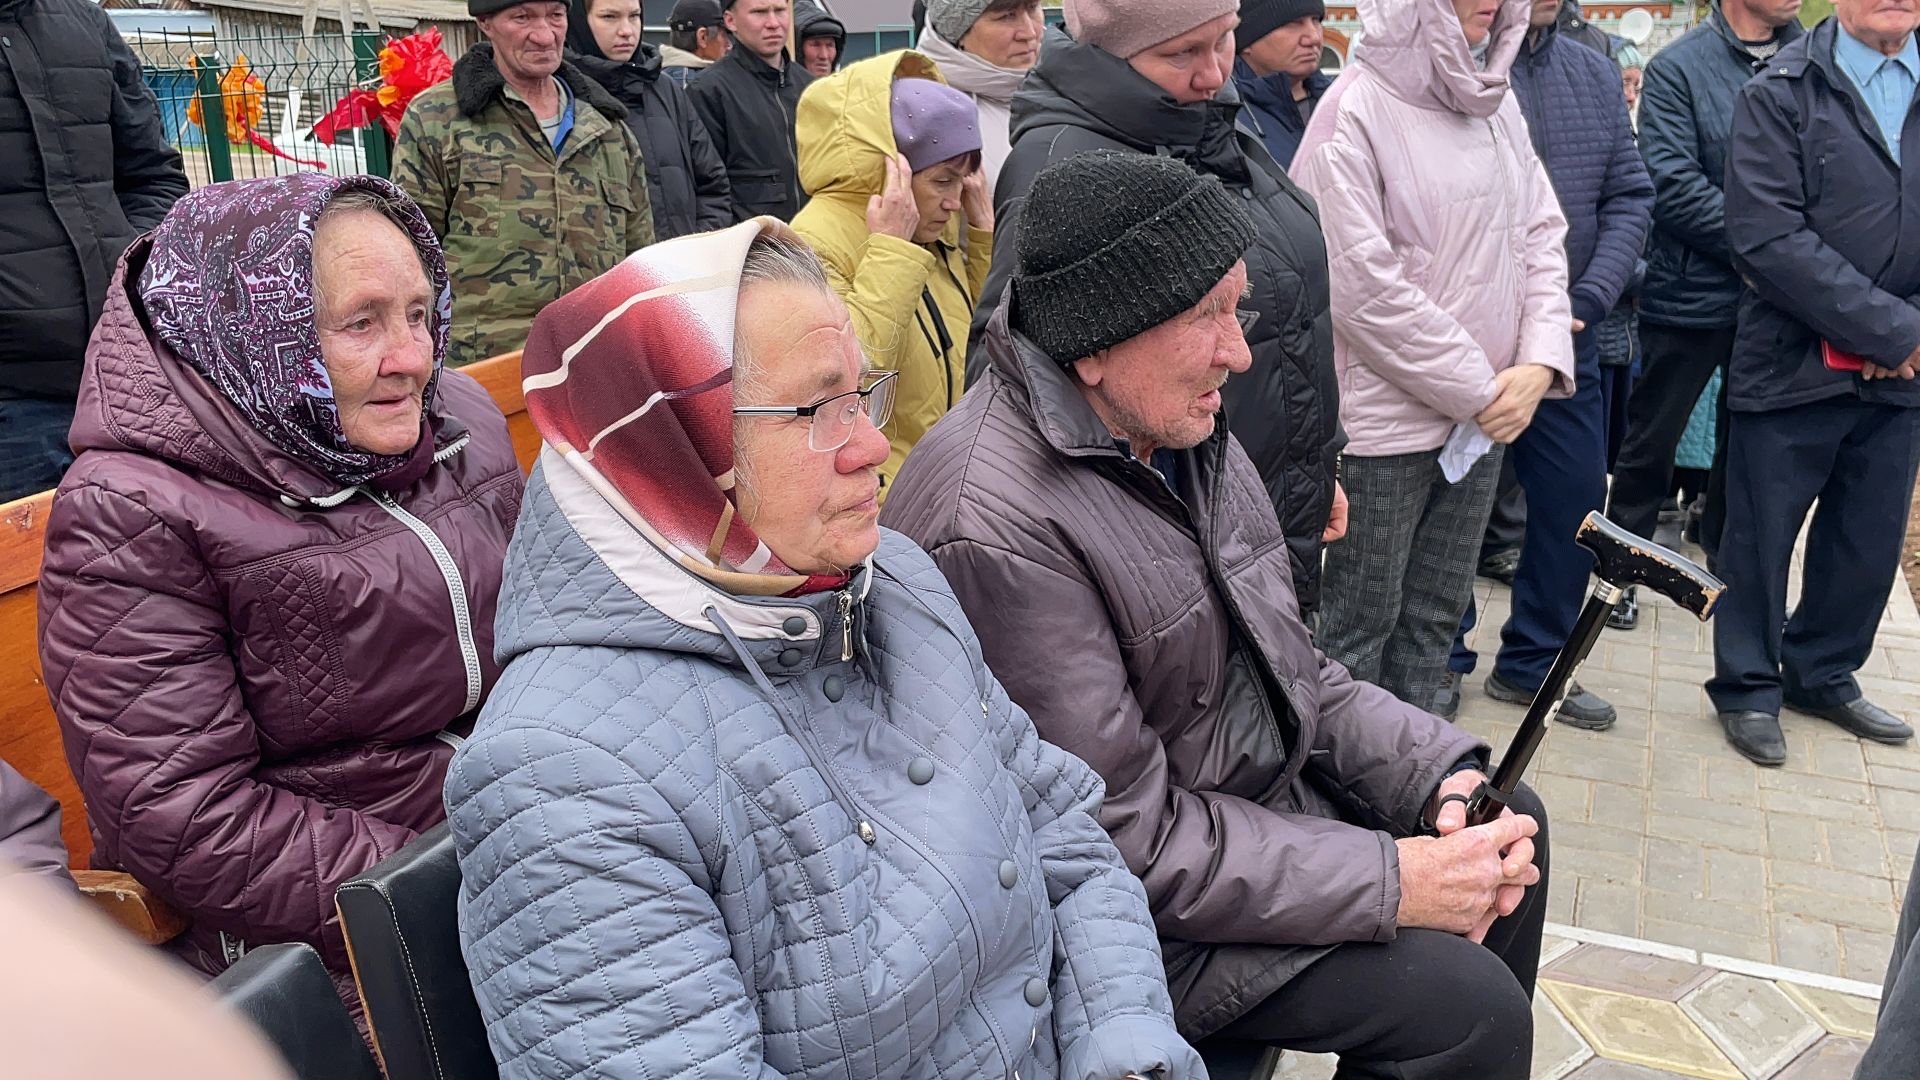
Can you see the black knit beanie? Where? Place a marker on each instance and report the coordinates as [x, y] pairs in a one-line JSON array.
[[1113, 244], [1258, 18]]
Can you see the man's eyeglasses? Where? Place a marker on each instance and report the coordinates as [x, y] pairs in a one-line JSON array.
[[833, 418]]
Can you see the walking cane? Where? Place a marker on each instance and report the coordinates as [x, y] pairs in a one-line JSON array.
[[1624, 559]]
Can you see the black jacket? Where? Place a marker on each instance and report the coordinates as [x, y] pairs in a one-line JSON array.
[[1823, 226], [748, 105], [686, 181], [84, 168], [1686, 109], [1285, 410], [1577, 117]]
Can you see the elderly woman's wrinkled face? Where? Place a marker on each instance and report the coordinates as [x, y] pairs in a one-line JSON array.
[[373, 308], [817, 510]]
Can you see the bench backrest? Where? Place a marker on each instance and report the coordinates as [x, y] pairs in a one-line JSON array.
[[29, 735]]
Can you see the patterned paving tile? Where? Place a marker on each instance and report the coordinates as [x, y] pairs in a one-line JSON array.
[[1841, 1014], [1307, 1067], [1557, 1048], [1641, 1031], [1832, 1058], [1627, 972], [1757, 1026], [1608, 1069]]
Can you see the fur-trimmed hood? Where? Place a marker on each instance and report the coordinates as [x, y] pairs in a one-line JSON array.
[[477, 82]]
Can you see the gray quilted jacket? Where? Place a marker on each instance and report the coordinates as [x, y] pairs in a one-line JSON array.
[[710, 835]]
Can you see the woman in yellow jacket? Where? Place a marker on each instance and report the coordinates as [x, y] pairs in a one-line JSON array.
[[890, 156]]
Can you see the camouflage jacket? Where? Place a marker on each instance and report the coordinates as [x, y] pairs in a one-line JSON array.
[[520, 224]]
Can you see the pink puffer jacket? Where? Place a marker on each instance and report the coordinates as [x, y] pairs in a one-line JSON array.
[[254, 676], [1446, 240]]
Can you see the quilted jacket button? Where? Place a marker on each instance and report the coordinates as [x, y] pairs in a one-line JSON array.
[[834, 688], [920, 770], [794, 626], [1036, 992], [1009, 874], [791, 657]]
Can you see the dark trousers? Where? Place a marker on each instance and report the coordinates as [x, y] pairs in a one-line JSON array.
[[1857, 461], [1507, 525], [1896, 1039], [1560, 464], [1616, 389], [1675, 366], [33, 445], [1424, 1005]]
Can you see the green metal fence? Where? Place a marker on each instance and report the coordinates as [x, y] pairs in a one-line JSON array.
[[290, 82]]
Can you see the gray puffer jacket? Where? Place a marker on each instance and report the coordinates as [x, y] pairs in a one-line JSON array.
[[773, 837]]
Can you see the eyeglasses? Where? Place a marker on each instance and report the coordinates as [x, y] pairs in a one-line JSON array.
[[833, 418]]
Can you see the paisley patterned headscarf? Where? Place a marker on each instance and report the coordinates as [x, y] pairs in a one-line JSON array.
[[229, 288]]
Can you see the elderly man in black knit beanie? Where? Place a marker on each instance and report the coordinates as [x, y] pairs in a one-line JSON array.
[[1302, 836]]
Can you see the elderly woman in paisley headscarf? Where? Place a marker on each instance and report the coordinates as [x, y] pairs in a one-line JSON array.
[[267, 602]]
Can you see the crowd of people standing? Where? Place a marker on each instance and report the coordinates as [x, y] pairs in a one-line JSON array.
[[1001, 554]]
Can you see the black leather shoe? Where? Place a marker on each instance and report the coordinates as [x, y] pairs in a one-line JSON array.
[[1756, 735], [1863, 718], [1626, 612], [1446, 702], [1500, 566], [1583, 708]]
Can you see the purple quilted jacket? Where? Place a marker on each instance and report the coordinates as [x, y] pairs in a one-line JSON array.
[[254, 672]]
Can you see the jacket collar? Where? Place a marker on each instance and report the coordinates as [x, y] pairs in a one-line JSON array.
[[477, 83], [746, 60], [1084, 86], [1785, 35], [1273, 91]]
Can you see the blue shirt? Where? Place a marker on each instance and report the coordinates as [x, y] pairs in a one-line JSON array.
[[1885, 82]]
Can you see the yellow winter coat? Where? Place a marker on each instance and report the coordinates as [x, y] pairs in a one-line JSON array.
[[844, 128]]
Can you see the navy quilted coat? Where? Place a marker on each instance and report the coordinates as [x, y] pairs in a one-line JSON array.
[[1577, 117], [709, 835], [253, 686], [1686, 113]]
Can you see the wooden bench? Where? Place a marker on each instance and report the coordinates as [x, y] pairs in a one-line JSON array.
[[29, 734]]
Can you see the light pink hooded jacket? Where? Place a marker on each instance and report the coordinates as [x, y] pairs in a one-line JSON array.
[[1446, 243]]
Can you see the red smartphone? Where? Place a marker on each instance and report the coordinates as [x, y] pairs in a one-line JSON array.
[[1840, 361]]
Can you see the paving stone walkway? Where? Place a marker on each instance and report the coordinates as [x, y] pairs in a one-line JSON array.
[[1711, 918]]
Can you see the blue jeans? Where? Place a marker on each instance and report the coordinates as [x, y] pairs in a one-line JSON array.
[[33, 445]]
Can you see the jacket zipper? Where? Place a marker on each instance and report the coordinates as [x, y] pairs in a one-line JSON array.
[[1506, 208], [456, 588], [846, 624]]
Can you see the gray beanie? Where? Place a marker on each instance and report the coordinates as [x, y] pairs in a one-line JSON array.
[[951, 19], [1113, 244]]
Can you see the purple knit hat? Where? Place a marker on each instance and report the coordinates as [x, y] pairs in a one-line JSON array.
[[933, 122]]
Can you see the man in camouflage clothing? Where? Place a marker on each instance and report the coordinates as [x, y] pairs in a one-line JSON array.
[[528, 172]]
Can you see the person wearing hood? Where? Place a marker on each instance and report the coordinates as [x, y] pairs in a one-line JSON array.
[[267, 603], [1280, 43], [1576, 114], [527, 171], [984, 48], [686, 180], [747, 100], [822, 38], [696, 38], [891, 159], [1447, 337], [748, 801], [1147, 77]]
